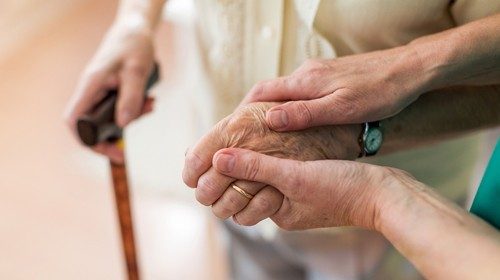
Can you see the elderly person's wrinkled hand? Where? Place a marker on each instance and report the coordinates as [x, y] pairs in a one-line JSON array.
[[123, 61], [246, 128]]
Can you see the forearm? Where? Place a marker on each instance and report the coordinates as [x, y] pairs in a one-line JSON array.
[[458, 71], [442, 114], [466, 55], [457, 75], [442, 240], [141, 14]]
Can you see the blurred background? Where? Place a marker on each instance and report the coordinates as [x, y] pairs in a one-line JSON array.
[[57, 209]]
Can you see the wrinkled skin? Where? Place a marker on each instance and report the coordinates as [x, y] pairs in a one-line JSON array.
[[246, 128], [409, 214], [325, 193], [123, 61]]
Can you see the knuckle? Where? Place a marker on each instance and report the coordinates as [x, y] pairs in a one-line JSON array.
[[257, 90], [194, 162], [262, 204], [221, 212], [187, 178], [205, 191], [246, 112], [221, 126], [227, 206], [246, 221], [315, 66], [310, 63]]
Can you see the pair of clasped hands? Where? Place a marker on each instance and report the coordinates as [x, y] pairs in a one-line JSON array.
[[286, 151], [287, 156]]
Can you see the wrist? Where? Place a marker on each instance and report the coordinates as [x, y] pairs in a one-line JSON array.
[[375, 201], [435, 56], [409, 207], [425, 227], [344, 142], [394, 200], [407, 74]]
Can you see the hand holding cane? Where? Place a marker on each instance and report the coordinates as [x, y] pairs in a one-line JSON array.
[[99, 126]]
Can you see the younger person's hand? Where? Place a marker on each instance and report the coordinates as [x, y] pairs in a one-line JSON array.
[[346, 90], [425, 227], [317, 194]]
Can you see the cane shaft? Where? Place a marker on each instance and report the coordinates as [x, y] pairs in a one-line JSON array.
[[120, 184]]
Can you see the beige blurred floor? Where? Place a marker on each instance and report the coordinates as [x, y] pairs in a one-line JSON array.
[[57, 218]]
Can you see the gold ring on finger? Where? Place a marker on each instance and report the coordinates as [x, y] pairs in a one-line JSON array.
[[241, 191]]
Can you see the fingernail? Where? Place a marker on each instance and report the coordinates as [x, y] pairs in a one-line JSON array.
[[225, 162], [278, 118], [125, 117]]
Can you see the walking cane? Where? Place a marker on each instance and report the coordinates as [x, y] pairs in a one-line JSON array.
[[99, 126], [120, 184]]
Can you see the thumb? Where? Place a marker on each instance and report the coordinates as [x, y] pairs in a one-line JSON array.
[[252, 166], [298, 115]]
